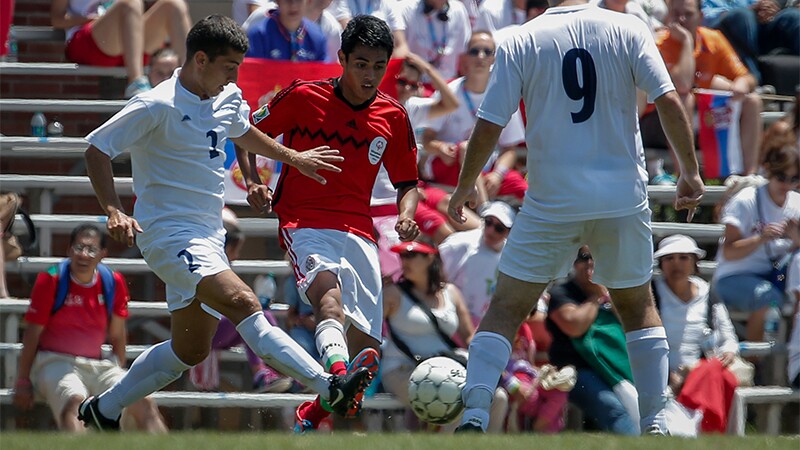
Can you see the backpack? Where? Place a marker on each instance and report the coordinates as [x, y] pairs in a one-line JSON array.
[[107, 283]]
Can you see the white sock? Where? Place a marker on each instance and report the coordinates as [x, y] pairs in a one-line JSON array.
[[155, 368], [331, 344], [488, 357], [648, 352], [282, 353]]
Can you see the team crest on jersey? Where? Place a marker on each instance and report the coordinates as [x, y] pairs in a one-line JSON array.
[[376, 149], [260, 114]]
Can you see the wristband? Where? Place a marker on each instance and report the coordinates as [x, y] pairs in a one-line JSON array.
[[500, 170]]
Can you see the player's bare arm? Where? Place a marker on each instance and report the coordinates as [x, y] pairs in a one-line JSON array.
[[675, 121], [407, 199], [308, 162], [121, 227], [481, 144], [259, 196]]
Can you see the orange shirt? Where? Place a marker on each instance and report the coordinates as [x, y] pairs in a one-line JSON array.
[[713, 55]]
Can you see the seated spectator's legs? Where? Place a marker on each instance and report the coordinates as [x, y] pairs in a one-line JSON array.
[[600, 404], [438, 200], [752, 293], [740, 26], [550, 414], [782, 32], [432, 223], [167, 19], [119, 32], [395, 382]]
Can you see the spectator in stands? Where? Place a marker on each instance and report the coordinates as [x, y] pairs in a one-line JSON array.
[[75, 306], [699, 57], [162, 65], [628, 7], [761, 227], [438, 31], [205, 375], [183, 242], [431, 210], [494, 15], [286, 35], [574, 307], [390, 11], [420, 310], [534, 8], [120, 33], [445, 141], [785, 131], [470, 258], [697, 328], [755, 28], [317, 12]]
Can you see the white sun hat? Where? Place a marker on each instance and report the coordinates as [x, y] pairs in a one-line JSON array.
[[678, 243]]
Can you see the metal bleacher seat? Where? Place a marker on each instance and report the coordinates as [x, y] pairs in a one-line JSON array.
[[35, 147], [61, 105]]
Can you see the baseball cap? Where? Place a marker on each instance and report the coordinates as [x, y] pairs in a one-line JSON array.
[[678, 243], [500, 210], [414, 246]]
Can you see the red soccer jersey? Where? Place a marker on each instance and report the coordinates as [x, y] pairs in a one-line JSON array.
[[80, 326], [311, 114]]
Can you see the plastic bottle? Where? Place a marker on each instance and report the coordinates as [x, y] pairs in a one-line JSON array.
[[772, 322], [11, 45], [709, 343], [264, 287], [38, 125], [55, 129]]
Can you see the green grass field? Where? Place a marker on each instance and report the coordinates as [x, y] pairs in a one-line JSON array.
[[202, 440]]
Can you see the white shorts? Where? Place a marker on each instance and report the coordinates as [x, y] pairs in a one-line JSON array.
[[539, 251], [181, 260], [353, 259], [58, 377]]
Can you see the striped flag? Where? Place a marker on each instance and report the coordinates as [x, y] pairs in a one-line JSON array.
[[720, 142]]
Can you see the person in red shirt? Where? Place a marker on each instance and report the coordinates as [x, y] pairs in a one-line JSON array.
[[61, 357], [328, 229]]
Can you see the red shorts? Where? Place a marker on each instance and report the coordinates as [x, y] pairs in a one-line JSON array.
[[82, 49], [428, 219]]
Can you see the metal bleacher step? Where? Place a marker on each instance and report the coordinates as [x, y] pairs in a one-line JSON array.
[[61, 105], [55, 69], [44, 147], [37, 33], [35, 264]]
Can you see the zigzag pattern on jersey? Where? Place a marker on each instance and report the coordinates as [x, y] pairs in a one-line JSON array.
[[330, 137]]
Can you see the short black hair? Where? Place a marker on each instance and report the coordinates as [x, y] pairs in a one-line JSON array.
[[87, 229], [368, 31], [538, 4], [216, 35]]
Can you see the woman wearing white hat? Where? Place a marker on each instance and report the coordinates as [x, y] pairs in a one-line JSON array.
[[695, 325]]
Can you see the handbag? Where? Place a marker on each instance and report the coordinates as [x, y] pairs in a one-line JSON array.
[[451, 353], [13, 248], [777, 275]]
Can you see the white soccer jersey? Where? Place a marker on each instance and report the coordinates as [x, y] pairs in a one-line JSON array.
[[577, 68], [438, 42], [494, 15], [177, 147]]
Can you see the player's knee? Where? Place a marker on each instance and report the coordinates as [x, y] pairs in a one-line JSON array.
[[245, 302]]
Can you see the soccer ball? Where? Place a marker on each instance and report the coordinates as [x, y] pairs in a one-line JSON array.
[[434, 390]]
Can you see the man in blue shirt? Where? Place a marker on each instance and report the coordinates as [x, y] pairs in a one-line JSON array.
[[287, 35]]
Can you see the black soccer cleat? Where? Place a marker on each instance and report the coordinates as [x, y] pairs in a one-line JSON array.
[[89, 414], [345, 389], [469, 427]]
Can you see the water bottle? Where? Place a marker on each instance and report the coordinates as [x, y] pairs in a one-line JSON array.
[[38, 125], [264, 288], [772, 321], [709, 343], [55, 129]]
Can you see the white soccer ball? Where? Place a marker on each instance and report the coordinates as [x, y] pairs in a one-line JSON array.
[[434, 390]]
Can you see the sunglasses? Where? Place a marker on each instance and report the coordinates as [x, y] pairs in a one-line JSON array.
[[783, 178], [584, 256], [89, 250], [410, 255], [499, 227], [403, 82], [477, 51]]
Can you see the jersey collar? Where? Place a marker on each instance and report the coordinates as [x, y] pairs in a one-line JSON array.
[[337, 90]]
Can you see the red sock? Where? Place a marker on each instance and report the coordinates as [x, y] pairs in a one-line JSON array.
[[338, 368], [315, 413]]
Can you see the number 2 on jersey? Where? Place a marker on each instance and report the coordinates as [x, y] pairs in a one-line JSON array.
[[588, 90], [213, 153]]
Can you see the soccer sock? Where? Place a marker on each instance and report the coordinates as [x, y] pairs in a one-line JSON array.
[[648, 352], [488, 356], [331, 345], [155, 368], [282, 353]]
